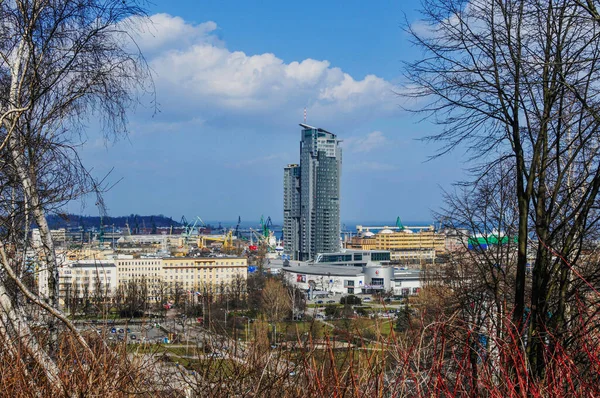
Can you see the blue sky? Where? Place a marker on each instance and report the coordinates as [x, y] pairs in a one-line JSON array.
[[232, 79]]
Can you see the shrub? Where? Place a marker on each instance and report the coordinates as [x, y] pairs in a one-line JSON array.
[[351, 299]]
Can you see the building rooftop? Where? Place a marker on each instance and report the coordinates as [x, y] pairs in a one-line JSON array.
[[206, 258], [324, 270], [91, 263], [407, 274]]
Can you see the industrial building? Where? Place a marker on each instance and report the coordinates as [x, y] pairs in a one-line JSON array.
[[311, 197]]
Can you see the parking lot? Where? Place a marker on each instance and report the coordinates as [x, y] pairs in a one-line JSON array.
[[132, 332]]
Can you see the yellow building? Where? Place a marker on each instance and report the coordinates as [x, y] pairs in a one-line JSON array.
[[209, 275], [165, 276], [401, 244], [88, 253]]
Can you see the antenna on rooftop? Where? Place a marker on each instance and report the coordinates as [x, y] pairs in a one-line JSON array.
[[305, 115]]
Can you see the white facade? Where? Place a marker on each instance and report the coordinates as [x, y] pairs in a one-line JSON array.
[[407, 282], [333, 280], [87, 279]]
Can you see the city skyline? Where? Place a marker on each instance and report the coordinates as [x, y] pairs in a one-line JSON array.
[[227, 92]]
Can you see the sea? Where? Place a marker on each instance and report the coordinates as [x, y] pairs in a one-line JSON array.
[[348, 227]]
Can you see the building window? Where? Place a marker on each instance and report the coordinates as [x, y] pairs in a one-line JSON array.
[[377, 281]]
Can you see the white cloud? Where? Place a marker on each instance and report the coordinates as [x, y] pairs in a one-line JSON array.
[[368, 143], [165, 32], [197, 76]]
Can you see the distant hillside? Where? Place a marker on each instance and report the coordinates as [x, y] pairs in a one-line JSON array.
[[135, 221]]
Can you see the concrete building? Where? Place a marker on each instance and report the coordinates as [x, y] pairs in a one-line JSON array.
[[405, 246], [205, 275], [312, 196], [355, 258], [346, 272], [164, 276], [141, 270], [319, 280], [87, 280], [59, 237], [407, 282]]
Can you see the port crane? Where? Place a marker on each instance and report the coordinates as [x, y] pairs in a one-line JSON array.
[[266, 236], [237, 227], [188, 230]]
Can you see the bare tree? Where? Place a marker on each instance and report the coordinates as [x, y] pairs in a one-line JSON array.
[[276, 302], [514, 82], [61, 62]]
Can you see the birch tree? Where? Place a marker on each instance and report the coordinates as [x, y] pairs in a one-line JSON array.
[[62, 63]]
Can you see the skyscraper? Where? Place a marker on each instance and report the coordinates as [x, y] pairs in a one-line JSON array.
[[311, 196]]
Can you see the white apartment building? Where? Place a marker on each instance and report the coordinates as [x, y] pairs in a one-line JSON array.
[[142, 270], [87, 280]]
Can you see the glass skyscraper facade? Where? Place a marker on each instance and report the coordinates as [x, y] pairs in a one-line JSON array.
[[311, 196]]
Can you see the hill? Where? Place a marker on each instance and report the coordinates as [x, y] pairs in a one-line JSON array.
[[135, 221]]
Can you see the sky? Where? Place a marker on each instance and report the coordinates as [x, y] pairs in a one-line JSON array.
[[232, 79]]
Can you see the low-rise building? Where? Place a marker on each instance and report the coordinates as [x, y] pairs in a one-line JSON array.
[[148, 271], [405, 246], [316, 279], [407, 282], [345, 272], [212, 275], [170, 276], [87, 280]]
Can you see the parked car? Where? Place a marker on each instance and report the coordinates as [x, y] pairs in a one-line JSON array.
[[113, 330], [320, 302], [132, 336], [121, 331], [128, 330], [215, 355], [366, 299], [330, 301]]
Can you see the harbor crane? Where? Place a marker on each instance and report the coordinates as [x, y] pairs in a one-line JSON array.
[[266, 226], [188, 230], [237, 227]]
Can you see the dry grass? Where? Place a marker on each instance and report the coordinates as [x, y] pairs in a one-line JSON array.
[[437, 359]]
